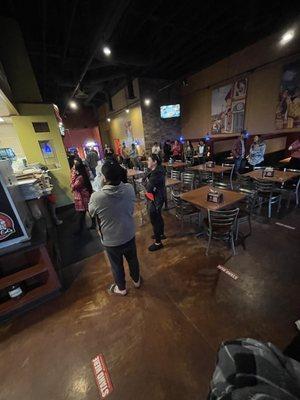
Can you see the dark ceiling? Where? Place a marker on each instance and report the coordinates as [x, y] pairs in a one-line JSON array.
[[159, 39]]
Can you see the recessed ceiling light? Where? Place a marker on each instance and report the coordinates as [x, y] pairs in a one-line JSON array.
[[1, 119], [147, 102], [127, 110], [106, 51], [73, 105], [287, 37], [108, 119]]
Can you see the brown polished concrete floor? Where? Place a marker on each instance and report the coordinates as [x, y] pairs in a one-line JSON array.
[[159, 342]]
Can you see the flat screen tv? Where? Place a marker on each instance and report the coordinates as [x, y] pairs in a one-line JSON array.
[[170, 111]]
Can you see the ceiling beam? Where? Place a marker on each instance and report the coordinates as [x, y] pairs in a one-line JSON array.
[[103, 33]]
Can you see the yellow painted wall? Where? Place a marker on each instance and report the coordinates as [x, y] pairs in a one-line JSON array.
[[29, 141], [263, 86], [117, 125], [116, 128]]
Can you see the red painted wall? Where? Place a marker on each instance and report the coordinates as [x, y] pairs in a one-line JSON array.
[[79, 137]]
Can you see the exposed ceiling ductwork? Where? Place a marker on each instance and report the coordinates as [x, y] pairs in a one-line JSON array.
[[158, 39]]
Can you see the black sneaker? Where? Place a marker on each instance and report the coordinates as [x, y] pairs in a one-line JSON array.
[[155, 247], [163, 237]]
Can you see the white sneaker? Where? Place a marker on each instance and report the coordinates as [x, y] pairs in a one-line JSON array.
[[137, 284], [113, 289]]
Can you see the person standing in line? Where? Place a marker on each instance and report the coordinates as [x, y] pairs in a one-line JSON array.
[[167, 150], [256, 152], [176, 150], [238, 152], [156, 189], [202, 151], [114, 207], [82, 190], [295, 155], [156, 149], [133, 155], [189, 152], [92, 159]]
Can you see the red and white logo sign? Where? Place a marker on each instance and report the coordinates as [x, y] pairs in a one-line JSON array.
[[102, 376], [7, 226], [228, 272]]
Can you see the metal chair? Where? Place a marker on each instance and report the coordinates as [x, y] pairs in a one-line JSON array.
[[188, 181], [175, 174], [291, 188], [206, 177], [244, 182], [267, 193], [221, 226], [230, 173], [246, 210], [183, 209]]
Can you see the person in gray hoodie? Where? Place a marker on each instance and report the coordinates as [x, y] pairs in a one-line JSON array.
[[114, 207]]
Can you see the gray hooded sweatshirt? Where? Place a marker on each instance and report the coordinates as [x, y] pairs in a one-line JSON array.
[[114, 206]]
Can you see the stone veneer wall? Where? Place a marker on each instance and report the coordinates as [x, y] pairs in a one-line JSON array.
[[157, 129]]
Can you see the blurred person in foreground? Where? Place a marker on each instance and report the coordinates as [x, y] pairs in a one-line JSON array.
[[251, 370], [114, 207]]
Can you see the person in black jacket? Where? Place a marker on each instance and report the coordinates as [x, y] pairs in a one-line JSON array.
[[167, 150], [155, 186]]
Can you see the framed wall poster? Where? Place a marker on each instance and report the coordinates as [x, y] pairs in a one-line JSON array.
[[288, 107], [228, 107]]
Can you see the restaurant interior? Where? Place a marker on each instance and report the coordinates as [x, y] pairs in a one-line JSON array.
[[165, 135]]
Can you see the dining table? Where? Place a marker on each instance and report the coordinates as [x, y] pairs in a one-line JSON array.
[[216, 169], [279, 176], [198, 198], [175, 164]]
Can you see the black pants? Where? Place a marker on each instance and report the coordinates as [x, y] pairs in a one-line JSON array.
[[156, 221], [116, 254]]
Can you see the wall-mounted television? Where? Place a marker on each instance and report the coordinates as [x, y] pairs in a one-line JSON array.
[[170, 111]]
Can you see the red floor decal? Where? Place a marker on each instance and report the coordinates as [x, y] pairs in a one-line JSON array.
[[228, 272], [102, 376]]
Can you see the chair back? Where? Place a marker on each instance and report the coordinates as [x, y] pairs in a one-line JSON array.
[[205, 176], [175, 174], [263, 186], [182, 207], [222, 222], [243, 181], [230, 173], [188, 180], [250, 199]]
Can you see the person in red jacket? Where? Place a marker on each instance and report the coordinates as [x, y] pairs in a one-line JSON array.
[[176, 150], [82, 190]]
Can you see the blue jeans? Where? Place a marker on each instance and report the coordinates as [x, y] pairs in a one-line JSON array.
[[237, 164]]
